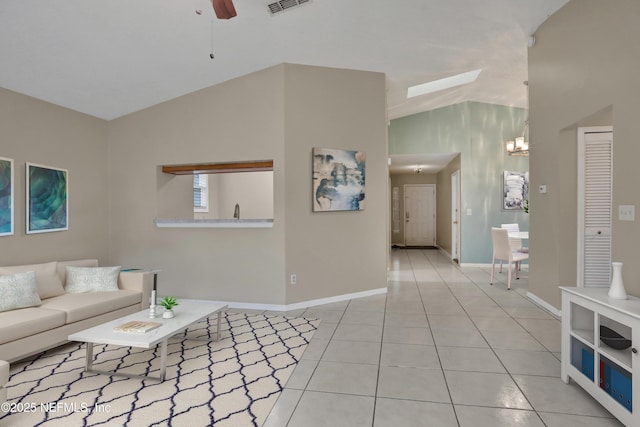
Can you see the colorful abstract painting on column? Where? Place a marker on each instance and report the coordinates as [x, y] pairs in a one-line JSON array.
[[47, 199], [338, 180], [6, 197]]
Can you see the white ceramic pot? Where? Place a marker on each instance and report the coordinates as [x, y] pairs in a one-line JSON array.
[[168, 314]]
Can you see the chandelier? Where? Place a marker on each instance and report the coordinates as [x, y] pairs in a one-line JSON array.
[[520, 146]]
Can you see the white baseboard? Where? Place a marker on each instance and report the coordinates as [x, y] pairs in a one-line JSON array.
[[542, 303], [304, 304], [445, 253], [479, 265]]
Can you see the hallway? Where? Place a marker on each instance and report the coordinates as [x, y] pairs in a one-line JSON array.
[[441, 348]]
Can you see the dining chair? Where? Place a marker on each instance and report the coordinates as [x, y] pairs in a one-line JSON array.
[[516, 243], [502, 251]]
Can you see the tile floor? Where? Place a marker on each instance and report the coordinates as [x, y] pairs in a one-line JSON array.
[[441, 348]]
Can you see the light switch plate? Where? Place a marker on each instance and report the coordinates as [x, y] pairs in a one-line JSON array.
[[626, 212], [542, 189]]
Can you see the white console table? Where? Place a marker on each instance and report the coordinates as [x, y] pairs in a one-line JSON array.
[[611, 376]]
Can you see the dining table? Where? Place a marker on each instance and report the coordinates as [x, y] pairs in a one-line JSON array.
[[524, 235]]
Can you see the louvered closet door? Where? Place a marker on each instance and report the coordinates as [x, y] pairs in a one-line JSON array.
[[596, 159]]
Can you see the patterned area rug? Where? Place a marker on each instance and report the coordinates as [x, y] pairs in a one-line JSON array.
[[231, 382]]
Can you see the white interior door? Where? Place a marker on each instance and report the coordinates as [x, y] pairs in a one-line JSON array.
[[595, 172], [420, 213], [455, 216]]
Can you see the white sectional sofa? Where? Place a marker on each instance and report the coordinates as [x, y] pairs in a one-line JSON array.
[[4, 378], [31, 330]]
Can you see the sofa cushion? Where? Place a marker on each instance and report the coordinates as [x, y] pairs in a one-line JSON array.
[[62, 267], [24, 322], [49, 284], [18, 291], [85, 305], [4, 372], [92, 279]]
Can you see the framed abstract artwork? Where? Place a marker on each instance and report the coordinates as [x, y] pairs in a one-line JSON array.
[[7, 215], [47, 199], [338, 180], [515, 190]]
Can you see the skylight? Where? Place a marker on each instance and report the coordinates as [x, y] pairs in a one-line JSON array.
[[446, 83]]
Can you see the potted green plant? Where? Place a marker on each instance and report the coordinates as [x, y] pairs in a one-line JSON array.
[[168, 303]]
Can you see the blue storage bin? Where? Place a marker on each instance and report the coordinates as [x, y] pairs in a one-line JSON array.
[[587, 363], [620, 388]]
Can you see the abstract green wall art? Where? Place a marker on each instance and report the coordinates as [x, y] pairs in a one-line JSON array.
[[6, 197], [47, 199]]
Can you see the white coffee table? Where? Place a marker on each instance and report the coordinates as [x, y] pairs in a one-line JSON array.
[[187, 313]]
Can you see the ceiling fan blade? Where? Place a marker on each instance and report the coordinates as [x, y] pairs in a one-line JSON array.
[[224, 9]]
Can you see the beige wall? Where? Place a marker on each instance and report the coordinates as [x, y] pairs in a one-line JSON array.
[[582, 72], [117, 188], [400, 180], [252, 191], [334, 253], [38, 132], [279, 113], [241, 119]]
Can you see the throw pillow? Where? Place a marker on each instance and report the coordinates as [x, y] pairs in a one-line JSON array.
[[49, 284], [92, 279], [62, 267], [18, 290]]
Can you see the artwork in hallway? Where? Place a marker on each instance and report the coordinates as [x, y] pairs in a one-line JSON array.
[[6, 197], [47, 199], [338, 180], [515, 190]]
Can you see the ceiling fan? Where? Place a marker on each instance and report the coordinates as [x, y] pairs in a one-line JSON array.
[[224, 9]]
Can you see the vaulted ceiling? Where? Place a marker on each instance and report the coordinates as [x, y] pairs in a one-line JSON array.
[[109, 58]]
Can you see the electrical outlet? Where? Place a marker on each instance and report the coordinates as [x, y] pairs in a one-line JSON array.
[[294, 279]]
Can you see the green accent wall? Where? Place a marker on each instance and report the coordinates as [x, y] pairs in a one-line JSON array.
[[478, 132]]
